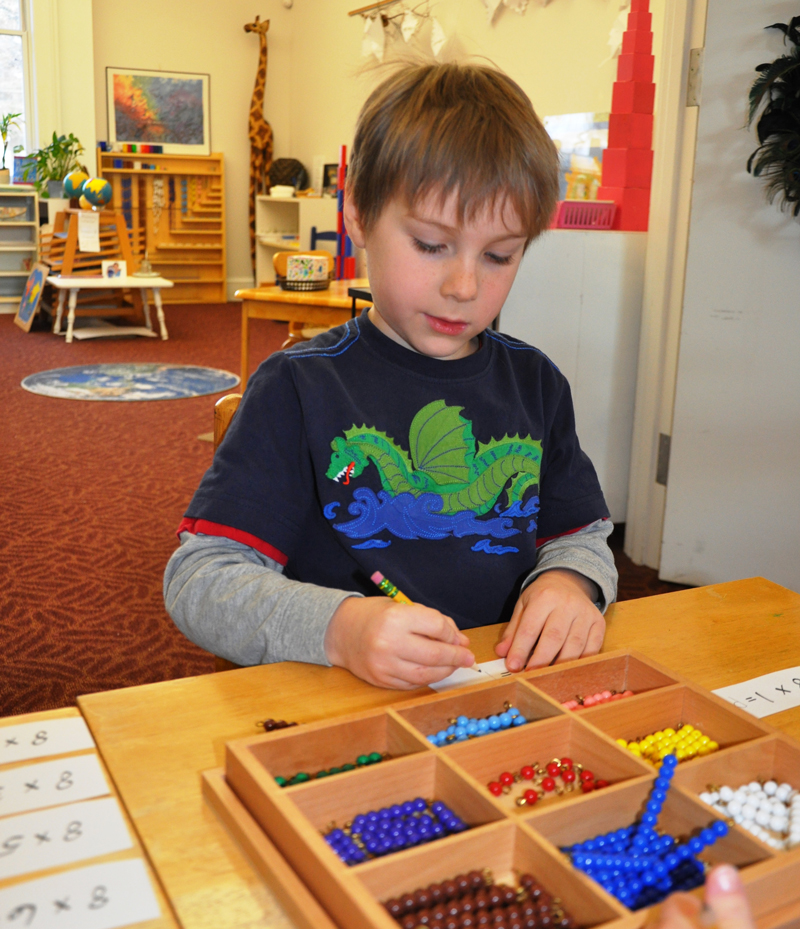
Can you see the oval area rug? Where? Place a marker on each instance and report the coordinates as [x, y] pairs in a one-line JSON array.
[[130, 382]]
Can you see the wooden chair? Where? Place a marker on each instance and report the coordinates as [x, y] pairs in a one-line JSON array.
[[224, 410]]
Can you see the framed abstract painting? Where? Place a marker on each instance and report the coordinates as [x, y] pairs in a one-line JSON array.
[[166, 108]]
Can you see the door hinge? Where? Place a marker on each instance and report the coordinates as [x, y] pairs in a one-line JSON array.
[[662, 466], [694, 84]]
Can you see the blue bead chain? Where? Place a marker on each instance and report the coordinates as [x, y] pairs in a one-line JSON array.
[[465, 727], [640, 867], [392, 828]]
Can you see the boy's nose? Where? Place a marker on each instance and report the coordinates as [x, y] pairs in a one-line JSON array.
[[461, 281]]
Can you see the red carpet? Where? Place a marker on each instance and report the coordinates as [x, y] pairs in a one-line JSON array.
[[92, 494]]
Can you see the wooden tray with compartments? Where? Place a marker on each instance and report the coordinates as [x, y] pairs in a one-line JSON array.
[[281, 828]]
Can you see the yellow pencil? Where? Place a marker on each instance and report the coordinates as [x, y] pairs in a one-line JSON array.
[[385, 585]]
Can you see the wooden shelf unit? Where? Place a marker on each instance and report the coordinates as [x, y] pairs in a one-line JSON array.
[[19, 242], [174, 208], [281, 827], [278, 218]]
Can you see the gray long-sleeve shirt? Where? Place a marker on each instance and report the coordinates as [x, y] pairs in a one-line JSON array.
[[235, 602]]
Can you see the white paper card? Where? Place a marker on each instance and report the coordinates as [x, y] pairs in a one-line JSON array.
[[51, 783], [477, 674], [102, 896], [38, 740], [58, 836], [88, 231], [765, 695]]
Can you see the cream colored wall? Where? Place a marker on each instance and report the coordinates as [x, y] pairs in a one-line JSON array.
[[316, 81], [64, 74], [556, 53], [206, 36]]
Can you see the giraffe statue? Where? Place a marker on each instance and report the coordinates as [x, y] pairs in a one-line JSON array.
[[260, 133]]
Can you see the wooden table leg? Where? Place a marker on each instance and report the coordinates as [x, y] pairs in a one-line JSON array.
[[159, 312], [245, 343], [146, 308], [295, 334], [73, 299], [62, 296]]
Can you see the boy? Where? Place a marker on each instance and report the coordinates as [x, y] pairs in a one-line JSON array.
[[414, 440]]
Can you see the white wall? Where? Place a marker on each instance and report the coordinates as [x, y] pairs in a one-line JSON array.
[[578, 297], [316, 81], [733, 494]]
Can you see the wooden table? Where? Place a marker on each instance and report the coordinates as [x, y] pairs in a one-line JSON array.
[[156, 739], [75, 284], [299, 308], [167, 919]]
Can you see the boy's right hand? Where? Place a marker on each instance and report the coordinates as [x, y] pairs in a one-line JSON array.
[[395, 645]]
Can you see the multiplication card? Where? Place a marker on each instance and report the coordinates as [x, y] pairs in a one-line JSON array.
[[49, 783], [61, 835], [102, 896], [38, 740], [765, 695]]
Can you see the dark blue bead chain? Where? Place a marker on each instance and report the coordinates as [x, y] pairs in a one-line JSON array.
[[638, 866], [392, 828]]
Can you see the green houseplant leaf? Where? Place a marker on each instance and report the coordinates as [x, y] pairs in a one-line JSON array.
[[777, 90]]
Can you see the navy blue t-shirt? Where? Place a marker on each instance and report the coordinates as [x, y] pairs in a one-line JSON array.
[[351, 454]]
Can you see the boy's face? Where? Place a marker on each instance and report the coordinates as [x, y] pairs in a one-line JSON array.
[[436, 283]]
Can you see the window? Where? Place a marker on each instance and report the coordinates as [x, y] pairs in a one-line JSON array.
[[14, 72]]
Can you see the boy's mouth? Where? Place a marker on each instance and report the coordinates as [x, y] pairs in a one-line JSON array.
[[446, 326]]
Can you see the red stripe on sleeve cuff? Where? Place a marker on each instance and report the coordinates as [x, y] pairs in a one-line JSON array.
[[208, 528], [560, 534]]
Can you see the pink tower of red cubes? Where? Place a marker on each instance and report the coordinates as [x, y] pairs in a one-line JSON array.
[[628, 160]]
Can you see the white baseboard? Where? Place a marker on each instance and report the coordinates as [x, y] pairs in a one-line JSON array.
[[238, 283]]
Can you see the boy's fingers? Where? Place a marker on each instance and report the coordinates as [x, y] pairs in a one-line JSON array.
[[726, 897], [419, 676], [507, 637], [550, 641], [430, 653]]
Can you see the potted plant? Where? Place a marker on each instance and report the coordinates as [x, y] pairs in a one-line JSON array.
[[53, 163], [7, 122], [777, 158]]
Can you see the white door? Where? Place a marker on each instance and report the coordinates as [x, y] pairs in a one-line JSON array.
[[733, 490]]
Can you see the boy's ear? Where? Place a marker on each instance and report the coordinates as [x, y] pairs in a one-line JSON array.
[[352, 221]]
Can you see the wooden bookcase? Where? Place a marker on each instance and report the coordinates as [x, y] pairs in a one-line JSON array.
[[281, 828], [19, 242], [174, 208], [283, 224]]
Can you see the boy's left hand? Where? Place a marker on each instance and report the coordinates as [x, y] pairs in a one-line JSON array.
[[556, 613]]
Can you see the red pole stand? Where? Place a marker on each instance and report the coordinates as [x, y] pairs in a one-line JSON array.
[[628, 160]]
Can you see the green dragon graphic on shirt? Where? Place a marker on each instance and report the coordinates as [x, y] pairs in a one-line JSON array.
[[443, 460]]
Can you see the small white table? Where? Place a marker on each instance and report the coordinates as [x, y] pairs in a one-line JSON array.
[[74, 284]]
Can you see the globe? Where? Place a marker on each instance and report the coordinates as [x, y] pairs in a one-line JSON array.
[[84, 204], [73, 183], [97, 191]]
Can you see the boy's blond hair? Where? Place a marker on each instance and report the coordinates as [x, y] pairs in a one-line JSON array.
[[453, 127]]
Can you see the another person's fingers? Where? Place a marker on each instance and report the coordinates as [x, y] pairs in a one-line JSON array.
[[679, 911], [726, 898]]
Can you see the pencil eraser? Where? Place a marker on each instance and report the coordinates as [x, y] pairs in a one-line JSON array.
[[376, 578]]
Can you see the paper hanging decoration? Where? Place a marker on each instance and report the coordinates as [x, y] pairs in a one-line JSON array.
[[615, 35], [373, 41], [438, 38], [519, 6], [409, 25], [492, 6]]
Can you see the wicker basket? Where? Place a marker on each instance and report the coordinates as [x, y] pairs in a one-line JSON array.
[[301, 285]]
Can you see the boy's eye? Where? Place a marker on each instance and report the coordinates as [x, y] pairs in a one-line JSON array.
[[500, 259], [426, 247]]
